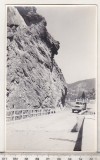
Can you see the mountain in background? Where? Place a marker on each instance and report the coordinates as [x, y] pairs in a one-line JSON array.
[[87, 86]]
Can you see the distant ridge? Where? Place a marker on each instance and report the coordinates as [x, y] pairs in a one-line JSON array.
[[88, 86]]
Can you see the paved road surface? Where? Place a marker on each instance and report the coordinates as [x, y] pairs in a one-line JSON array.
[[50, 133], [45, 133]]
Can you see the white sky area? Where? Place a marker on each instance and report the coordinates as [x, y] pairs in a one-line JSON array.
[[74, 26]]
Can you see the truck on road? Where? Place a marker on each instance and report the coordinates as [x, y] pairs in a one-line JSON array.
[[79, 106]]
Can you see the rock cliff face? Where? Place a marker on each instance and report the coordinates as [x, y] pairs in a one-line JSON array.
[[34, 80]]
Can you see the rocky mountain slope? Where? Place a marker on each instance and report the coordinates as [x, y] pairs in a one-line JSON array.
[[87, 86], [34, 80]]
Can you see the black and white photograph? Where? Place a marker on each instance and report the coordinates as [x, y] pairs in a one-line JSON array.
[[51, 78]]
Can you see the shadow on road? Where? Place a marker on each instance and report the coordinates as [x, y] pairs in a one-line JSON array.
[[60, 139]]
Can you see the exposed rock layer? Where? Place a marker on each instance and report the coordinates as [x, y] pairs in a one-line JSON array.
[[34, 80]]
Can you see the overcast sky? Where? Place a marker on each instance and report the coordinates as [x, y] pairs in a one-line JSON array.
[[75, 28]]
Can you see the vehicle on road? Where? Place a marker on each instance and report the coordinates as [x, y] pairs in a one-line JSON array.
[[79, 106]]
